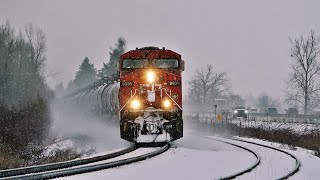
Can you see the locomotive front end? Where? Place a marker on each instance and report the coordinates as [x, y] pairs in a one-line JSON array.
[[151, 95]]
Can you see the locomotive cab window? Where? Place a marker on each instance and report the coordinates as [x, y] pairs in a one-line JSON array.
[[135, 63], [165, 63]]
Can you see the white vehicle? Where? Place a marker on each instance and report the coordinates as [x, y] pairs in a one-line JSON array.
[[240, 113]]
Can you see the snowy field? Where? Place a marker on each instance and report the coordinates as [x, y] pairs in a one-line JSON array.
[[310, 164], [263, 118], [297, 127], [197, 160], [273, 164], [196, 157], [300, 128]]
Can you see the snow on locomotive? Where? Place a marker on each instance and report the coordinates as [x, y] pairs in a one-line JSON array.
[[150, 95]]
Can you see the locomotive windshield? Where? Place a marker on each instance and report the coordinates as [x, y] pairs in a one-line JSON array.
[[144, 63], [165, 63], [135, 63]]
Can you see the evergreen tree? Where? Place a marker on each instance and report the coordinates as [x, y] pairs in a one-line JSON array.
[[110, 67], [86, 74]]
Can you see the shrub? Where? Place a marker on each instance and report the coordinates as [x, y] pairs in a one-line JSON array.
[[310, 140], [21, 132]]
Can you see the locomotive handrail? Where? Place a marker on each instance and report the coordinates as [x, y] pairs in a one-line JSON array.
[[171, 98], [135, 92]]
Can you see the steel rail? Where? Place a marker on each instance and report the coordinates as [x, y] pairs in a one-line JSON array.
[[248, 169], [66, 164], [89, 168], [292, 172]]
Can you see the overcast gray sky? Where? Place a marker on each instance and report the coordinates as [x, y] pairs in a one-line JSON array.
[[248, 39]]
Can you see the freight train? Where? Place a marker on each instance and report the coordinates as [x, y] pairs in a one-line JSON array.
[[146, 95]]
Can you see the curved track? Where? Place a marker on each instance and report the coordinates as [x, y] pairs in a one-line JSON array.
[[248, 169], [292, 171], [78, 166]]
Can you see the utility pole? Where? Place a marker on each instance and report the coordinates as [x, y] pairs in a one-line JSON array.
[[215, 112]]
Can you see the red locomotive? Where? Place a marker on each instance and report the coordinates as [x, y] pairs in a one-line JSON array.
[[150, 95]]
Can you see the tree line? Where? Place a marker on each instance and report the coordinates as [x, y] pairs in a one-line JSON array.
[[88, 74], [24, 94], [208, 86], [22, 61]]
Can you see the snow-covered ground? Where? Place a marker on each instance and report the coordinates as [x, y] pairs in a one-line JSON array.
[[273, 164], [297, 127], [203, 159], [309, 163], [196, 157], [300, 128]]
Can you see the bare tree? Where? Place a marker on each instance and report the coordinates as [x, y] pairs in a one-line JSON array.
[[37, 41], [264, 101], [22, 57], [303, 83], [235, 100], [206, 85]]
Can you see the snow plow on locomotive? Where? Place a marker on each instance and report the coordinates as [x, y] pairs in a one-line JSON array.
[[146, 95], [150, 95]]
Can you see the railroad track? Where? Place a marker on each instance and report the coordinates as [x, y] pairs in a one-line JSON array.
[[80, 166], [247, 169], [291, 172], [257, 162]]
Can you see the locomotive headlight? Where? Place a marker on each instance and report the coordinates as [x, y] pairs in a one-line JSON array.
[[235, 111], [166, 104], [135, 104], [150, 76], [246, 111]]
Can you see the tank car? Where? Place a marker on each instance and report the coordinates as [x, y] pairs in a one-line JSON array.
[[150, 95]]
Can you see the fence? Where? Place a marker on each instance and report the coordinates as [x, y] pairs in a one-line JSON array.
[[283, 118]]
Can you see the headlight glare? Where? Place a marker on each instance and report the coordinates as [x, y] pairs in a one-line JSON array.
[[166, 103], [150, 76], [135, 104]]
